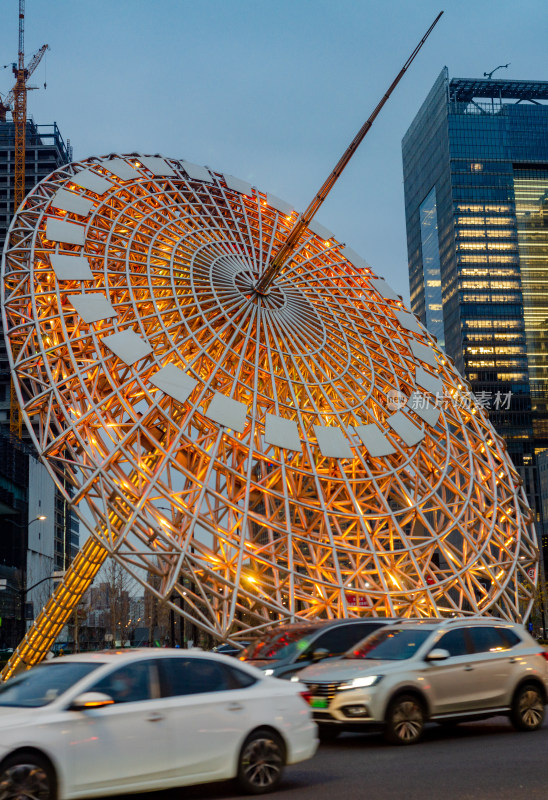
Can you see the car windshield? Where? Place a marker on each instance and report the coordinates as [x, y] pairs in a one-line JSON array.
[[390, 644], [44, 684], [279, 644]]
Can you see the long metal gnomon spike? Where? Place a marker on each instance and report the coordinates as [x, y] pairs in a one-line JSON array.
[[287, 248]]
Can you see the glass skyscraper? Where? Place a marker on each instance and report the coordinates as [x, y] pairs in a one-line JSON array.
[[475, 163]]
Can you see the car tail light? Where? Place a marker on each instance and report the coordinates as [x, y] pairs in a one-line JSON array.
[[306, 696], [544, 654]]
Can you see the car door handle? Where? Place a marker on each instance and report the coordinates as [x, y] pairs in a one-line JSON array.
[[235, 707], [468, 668], [514, 660], [155, 718]]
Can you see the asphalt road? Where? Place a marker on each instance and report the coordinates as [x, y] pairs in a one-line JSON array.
[[476, 761]]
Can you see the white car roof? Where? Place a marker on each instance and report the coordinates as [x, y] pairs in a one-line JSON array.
[[134, 654]]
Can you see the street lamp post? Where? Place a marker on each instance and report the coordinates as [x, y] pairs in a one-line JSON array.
[[26, 589], [39, 518]]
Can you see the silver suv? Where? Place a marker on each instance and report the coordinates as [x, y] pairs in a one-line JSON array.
[[446, 671]]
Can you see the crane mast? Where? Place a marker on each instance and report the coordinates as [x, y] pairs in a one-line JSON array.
[[17, 101], [20, 113]]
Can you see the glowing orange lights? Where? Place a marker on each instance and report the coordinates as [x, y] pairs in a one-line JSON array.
[[245, 454]]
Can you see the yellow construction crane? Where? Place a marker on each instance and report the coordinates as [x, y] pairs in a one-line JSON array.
[[7, 104], [18, 96]]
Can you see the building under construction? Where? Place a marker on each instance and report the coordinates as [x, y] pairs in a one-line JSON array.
[[45, 151], [28, 550]]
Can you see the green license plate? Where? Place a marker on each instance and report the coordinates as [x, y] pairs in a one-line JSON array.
[[319, 702]]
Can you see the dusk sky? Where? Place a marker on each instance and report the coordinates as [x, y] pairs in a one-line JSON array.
[[269, 91]]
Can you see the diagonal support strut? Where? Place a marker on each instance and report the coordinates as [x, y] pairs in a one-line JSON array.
[[56, 613]]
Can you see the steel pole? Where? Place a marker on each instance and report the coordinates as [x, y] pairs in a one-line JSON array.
[[305, 218]]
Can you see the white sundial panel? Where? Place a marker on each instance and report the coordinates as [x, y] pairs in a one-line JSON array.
[[405, 429], [332, 442], [122, 170], [66, 232], [157, 165], [354, 258], [320, 230], [90, 180], [408, 321], [92, 307], [423, 406], [174, 382], [127, 346], [73, 203], [374, 440], [279, 204], [429, 382], [227, 412], [282, 432], [197, 172], [384, 288], [423, 352], [71, 268], [238, 185]]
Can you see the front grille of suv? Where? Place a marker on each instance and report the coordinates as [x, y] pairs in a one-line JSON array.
[[323, 689]]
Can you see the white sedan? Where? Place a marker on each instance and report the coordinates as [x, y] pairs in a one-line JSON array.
[[114, 722]]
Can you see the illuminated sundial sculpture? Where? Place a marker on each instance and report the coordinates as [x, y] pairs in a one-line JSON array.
[[254, 433]]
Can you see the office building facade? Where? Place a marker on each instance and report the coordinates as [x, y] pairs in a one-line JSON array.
[[30, 549], [45, 151], [475, 163]]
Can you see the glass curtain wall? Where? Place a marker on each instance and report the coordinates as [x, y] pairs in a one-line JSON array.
[[531, 195], [428, 213]]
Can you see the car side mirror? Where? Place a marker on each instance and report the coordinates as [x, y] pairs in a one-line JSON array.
[[438, 654], [319, 654], [90, 700]]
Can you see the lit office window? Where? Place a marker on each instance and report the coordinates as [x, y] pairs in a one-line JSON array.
[[465, 233], [499, 221], [471, 220], [471, 246], [463, 259], [502, 246], [471, 209]]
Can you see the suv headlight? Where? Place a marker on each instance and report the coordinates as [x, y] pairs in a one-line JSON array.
[[359, 683]]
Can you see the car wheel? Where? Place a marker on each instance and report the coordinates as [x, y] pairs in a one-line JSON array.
[[27, 777], [404, 720], [261, 762], [327, 733], [527, 711]]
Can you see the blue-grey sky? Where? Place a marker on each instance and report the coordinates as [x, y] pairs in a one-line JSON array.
[[269, 90]]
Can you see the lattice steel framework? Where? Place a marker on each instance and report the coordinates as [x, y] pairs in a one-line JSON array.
[[260, 457]]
